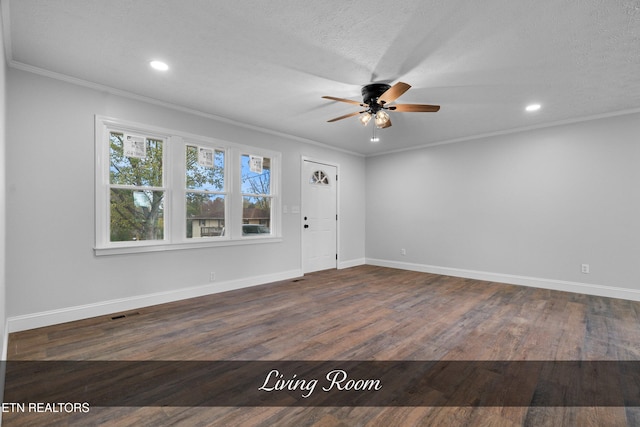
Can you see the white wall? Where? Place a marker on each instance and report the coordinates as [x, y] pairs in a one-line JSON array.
[[527, 207], [52, 272]]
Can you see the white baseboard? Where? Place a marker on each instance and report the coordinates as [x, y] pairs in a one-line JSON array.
[[534, 282], [5, 343], [352, 263], [69, 314]]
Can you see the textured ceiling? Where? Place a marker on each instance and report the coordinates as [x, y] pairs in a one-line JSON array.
[[267, 64]]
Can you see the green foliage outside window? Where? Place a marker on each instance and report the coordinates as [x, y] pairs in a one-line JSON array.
[[137, 213]]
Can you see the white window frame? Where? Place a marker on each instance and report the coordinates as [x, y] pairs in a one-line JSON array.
[[174, 175], [270, 196], [183, 186]]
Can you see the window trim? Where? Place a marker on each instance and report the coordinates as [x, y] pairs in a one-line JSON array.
[[174, 174]]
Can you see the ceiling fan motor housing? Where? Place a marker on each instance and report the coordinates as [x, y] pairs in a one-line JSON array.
[[371, 93]]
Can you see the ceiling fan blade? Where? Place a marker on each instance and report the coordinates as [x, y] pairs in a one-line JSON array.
[[393, 93], [415, 108], [346, 116], [348, 101]]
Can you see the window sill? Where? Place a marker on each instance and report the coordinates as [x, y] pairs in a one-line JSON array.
[[162, 247]]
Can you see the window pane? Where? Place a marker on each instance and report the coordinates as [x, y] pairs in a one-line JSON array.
[[258, 181], [256, 215], [205, 215], [205, 169], [136, 215], [129, 170]]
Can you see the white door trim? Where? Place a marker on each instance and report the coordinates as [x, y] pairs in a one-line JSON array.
[[338, 245]]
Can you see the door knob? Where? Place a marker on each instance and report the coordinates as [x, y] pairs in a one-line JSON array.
[[306, 226]]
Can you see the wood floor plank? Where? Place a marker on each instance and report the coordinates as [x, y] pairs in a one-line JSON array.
[[360, 313]]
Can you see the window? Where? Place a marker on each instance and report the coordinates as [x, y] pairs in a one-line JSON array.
[[205, 193], [256, 195], [319, 178], [136, 187], [158, 189]]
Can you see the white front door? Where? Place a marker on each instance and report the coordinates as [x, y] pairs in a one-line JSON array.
[[319, 216]]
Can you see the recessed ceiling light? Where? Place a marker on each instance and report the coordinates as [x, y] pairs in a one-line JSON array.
[[533, 107], [159, 65]]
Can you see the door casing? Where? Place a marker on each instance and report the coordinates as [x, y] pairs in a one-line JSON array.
[[303, 180]]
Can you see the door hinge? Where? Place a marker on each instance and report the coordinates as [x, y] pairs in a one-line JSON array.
[[336, 257], [336, 177], [336, 217]]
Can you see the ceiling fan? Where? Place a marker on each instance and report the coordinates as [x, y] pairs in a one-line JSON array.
[[375, 99]]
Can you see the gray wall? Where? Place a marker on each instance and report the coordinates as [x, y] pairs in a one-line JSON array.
[[527, 207], [51, 266], [3, 71], [532, 205]]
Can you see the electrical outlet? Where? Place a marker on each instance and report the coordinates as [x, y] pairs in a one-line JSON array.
[[403, 251], [585, 268], [212, 276]]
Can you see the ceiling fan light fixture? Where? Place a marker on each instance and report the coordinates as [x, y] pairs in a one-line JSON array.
[[382, 118], [365, 118]]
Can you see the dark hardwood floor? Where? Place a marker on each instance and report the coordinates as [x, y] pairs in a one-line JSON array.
[[360, 313]]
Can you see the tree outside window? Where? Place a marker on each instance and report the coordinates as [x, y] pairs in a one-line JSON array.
[[137, 193]]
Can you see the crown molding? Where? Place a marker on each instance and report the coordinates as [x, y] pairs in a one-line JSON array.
[[512, 131], [149, 100]]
